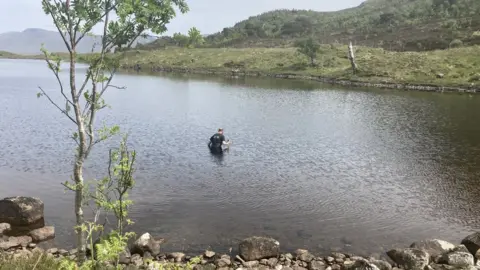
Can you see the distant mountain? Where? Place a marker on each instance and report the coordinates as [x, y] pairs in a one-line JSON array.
[[30, 40]]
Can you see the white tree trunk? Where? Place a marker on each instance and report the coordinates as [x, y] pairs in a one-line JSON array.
[[351, 57]]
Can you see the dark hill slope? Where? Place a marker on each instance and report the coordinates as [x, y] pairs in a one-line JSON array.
[[391, 24]]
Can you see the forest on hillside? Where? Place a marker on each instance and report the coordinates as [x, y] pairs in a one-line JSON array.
[[414, 25]]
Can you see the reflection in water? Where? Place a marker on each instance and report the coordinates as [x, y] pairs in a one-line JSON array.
[[313, 166]]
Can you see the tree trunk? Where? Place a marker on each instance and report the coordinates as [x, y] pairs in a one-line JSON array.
[[351, 56], [79, 159]]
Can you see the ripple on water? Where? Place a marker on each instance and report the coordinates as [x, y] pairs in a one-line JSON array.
[[316, 169]]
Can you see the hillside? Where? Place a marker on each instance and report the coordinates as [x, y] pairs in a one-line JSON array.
[[391, 24], [29, 42]]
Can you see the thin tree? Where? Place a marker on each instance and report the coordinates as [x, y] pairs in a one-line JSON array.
[[309, 48], [80, 102]]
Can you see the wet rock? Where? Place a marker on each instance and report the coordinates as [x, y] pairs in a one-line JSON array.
[[317, 265], [176, 256], [409, 258], [381, 264], [434, 247], [4, 228], [362, 265], [209, 254], [458, 258], [472, 242], [257, 248], [146, 243], [43, 234], [304, 255]]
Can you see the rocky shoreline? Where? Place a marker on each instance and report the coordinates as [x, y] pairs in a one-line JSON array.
[[322, 79], [256, 252]]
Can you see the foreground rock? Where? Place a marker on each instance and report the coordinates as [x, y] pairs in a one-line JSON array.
[[146, 243], [21, 211], [472, 243], [257, 248], [43, 234], [410, 258], [434, 247]]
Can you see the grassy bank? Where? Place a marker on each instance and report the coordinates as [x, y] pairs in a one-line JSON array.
[[459, 66]]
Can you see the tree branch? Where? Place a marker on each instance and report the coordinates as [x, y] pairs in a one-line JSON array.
[[55, 104], [55, 21]]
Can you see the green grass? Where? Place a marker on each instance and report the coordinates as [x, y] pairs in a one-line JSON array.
[[41, 261], [460, 66]]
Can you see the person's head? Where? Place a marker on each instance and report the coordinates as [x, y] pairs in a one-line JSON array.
[[220, 130]]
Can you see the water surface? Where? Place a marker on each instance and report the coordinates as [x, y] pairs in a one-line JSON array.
[[311, 165]]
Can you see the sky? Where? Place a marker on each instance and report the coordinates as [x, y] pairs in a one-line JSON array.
[[209, 16]]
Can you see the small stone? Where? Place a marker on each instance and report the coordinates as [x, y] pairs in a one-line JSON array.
[[73, 257], [4, 228], [336, 267], [338, 255], [223, 262], [339, 260], [32, 245], [203, 262], [73, 251], [382, 265], [299, 268], [317, 265], [459, 259], [52, 250], [177, 256], [251, 264], [330, 260], [147, 256], [288, 256], [440, 75], [63, 252], [279, 267], [137, 260], [263, 261], [272, 262], [209, 254]]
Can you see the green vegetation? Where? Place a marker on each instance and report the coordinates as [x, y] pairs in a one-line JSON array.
[[459, 66], [309, 48], [402, 25]]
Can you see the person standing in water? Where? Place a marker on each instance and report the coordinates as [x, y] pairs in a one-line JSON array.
[[216, 142]]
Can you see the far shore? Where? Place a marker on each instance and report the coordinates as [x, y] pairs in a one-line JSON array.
[[450, 70]]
